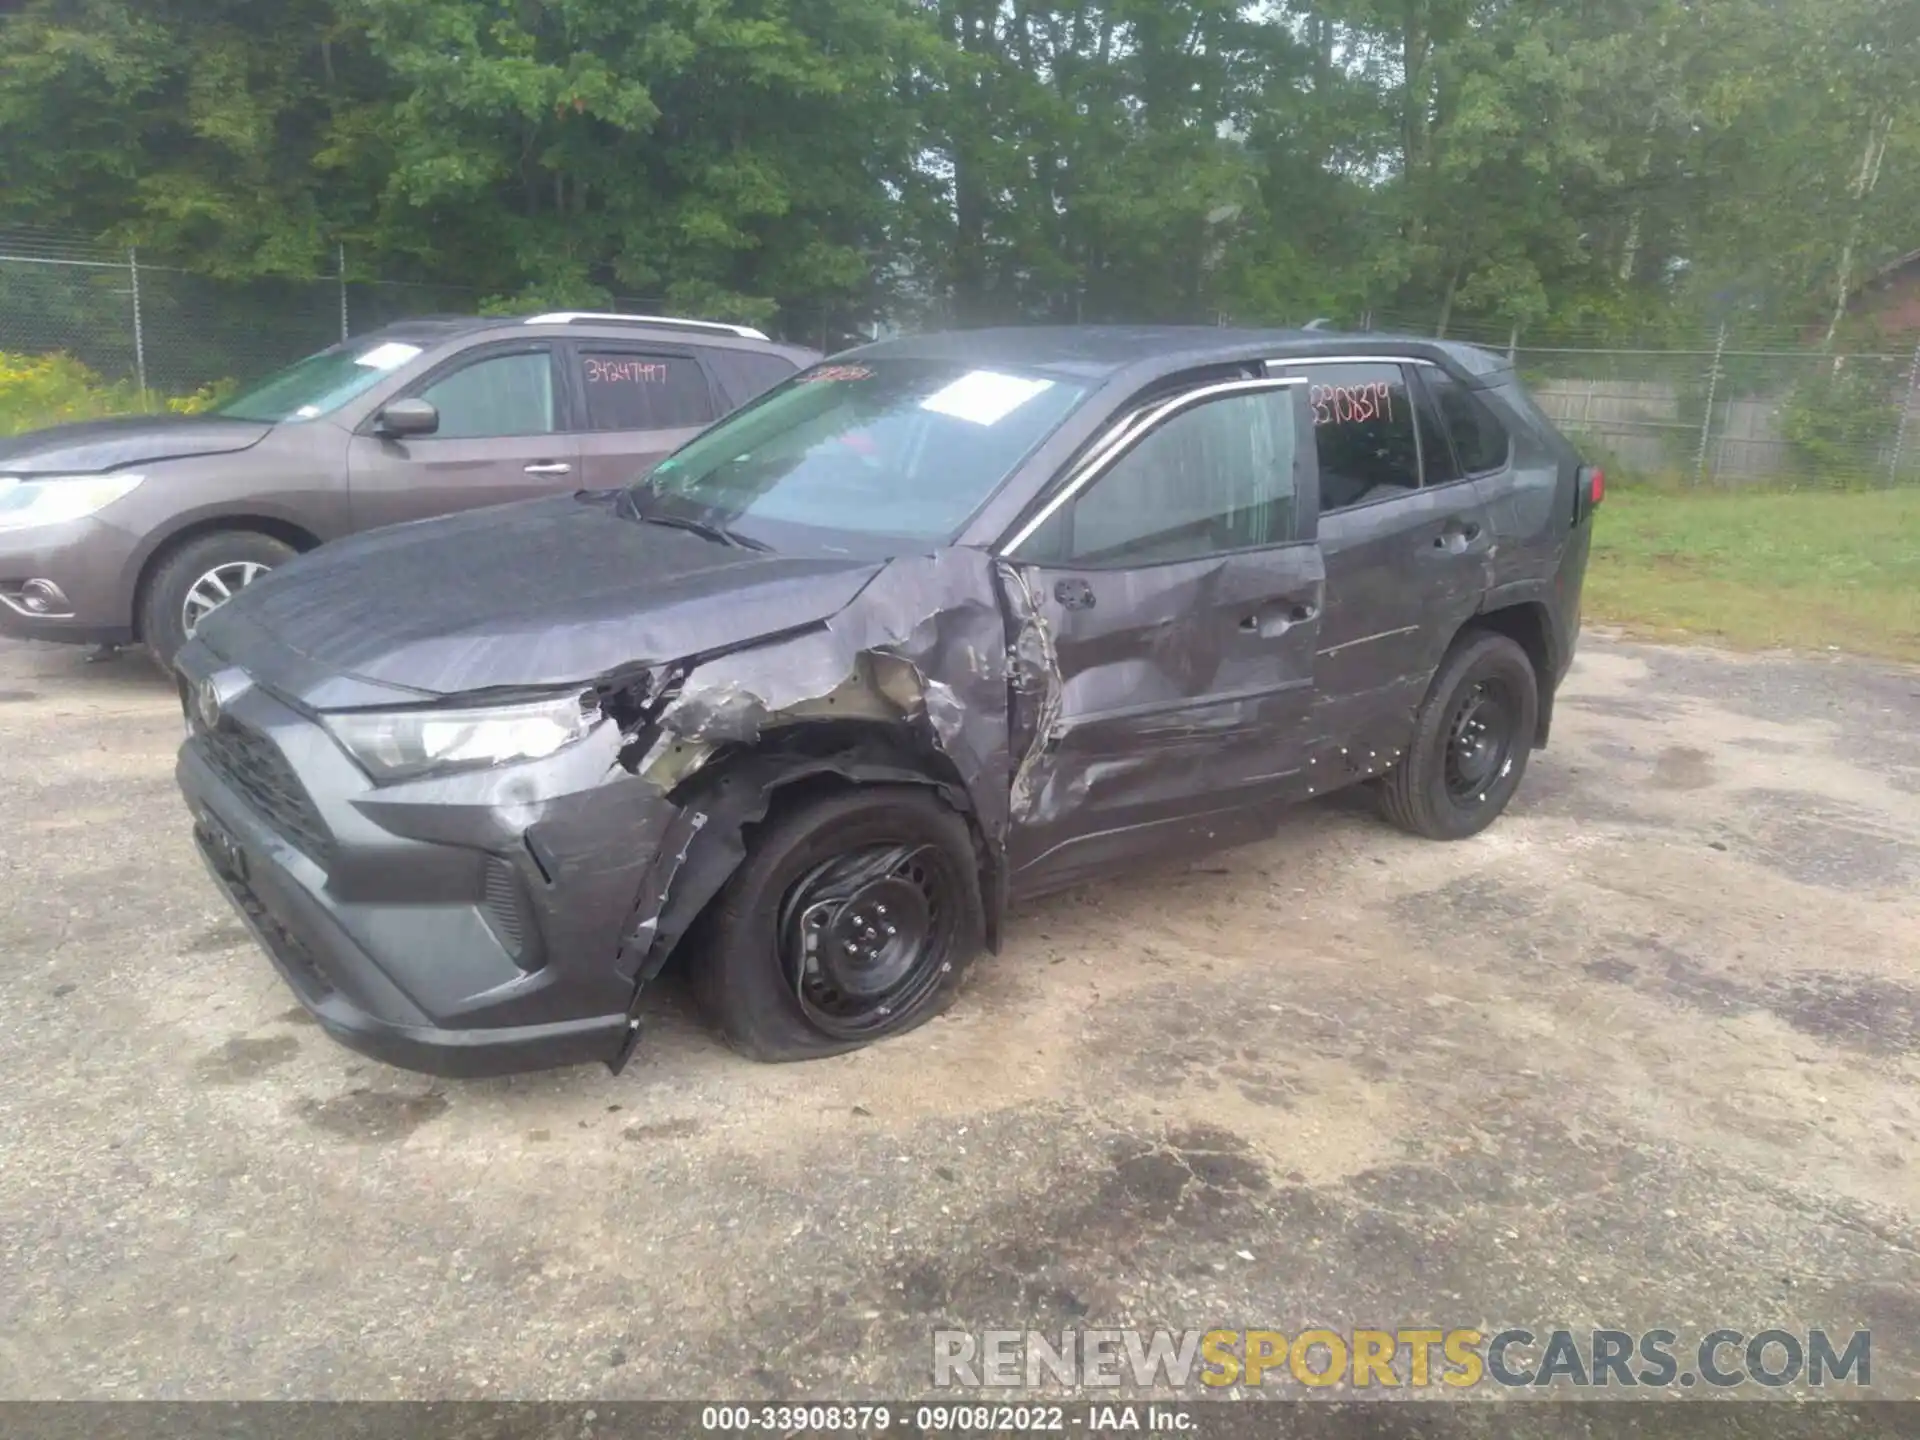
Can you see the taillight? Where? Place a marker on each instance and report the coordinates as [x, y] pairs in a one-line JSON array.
[[1589, 489]]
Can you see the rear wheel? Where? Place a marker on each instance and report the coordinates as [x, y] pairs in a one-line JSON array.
[[196, 579], [851, 919], [1470, 741]]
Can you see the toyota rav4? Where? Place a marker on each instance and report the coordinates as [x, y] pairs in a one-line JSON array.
[[933, 626]]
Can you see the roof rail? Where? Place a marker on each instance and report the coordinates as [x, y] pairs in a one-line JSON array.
[[664, 322]]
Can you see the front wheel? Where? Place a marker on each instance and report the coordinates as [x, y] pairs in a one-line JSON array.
[[1470, 742], [198, 578], [851, 919]]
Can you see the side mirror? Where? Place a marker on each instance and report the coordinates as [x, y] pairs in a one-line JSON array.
[[406, 417]]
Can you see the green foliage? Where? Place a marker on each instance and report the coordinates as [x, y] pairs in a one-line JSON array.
[[1584, 168], [1839, 422], [38, 390], [1808, 571]]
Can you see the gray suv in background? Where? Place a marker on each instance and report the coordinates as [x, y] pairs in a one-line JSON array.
[[132, 529]]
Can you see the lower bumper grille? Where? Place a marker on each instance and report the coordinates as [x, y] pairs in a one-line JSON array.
[[506, 911], [286, 946], [250, 762]]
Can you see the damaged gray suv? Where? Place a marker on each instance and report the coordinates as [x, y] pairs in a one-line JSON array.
[[937, 625]]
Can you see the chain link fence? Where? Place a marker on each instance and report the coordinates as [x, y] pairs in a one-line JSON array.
[[1737, 406], [1740, 406], [159, 332]]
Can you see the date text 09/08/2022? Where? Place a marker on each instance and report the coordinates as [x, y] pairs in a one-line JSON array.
[[964, 1418]]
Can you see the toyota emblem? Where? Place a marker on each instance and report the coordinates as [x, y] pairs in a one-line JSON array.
[[213, 696]]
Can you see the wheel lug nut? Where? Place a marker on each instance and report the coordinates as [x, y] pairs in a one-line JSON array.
[[892, 931]]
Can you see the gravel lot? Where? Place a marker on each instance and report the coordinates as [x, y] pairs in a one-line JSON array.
[[1644, 1054]]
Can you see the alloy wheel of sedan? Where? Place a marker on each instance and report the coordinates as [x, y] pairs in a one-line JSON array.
[[215, 588]]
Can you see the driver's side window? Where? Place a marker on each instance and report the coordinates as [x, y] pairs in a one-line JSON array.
[[497, 395], [1216, 477]]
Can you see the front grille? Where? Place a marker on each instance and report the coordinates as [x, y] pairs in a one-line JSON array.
[[251, 763]]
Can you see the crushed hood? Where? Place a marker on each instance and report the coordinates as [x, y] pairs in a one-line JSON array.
[[541, 593], [88, 447]]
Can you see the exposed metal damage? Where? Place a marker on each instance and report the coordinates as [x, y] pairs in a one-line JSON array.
[[1036, 678], [907, 684]]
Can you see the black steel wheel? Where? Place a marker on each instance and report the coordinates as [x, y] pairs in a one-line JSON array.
[[1470, 741], [1480, 740], [852, 918], [864, 936]]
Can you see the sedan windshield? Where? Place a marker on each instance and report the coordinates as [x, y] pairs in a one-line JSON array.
[[320, 383], [896, 448]]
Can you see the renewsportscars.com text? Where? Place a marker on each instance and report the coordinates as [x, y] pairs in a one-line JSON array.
[[1415, 1357]]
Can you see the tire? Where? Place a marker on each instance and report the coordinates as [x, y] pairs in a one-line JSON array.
[[1444, 793], [163, 599], [750, 973]]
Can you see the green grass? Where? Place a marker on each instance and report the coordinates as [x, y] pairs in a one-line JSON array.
[[1802, 570]]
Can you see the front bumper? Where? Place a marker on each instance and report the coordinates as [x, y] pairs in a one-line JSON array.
[[323, 966], [88, 560], [466, 925]]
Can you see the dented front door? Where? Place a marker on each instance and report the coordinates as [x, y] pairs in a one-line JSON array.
[[1169, 618]]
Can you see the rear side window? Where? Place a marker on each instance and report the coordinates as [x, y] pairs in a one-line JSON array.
[[1363, 432], [748, 374], [1438, 467], [1479, 440], [632, 391]]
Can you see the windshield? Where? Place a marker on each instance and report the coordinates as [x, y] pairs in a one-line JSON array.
[[318, 384], [897, 448]]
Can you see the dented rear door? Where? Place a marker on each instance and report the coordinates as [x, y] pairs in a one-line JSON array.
[[1405, 539]]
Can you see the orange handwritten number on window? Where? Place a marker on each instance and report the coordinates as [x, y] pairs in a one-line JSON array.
[[1350, 404]]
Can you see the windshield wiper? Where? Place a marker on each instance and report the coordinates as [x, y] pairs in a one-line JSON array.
[[630, 503], [706, 528]]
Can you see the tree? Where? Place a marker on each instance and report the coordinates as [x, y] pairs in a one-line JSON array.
[[1600, 167]]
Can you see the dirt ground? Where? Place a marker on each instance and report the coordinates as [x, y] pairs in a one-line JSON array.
[[1645, 1054]]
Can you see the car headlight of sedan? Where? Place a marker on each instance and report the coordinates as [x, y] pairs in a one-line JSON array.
[[26, 503], [401, 744]]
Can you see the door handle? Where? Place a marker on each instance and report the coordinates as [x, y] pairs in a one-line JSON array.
[[1456, 535], [550, 467], [1281, 619]]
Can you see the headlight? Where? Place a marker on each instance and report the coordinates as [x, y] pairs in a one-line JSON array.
[[25, 503], [398, 744]]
